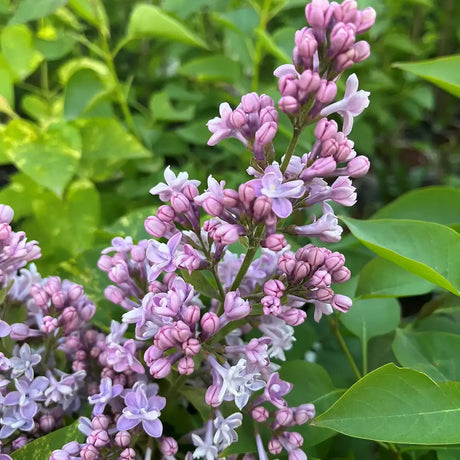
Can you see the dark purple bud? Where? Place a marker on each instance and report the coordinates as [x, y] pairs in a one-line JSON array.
[[19, 442], [321, 278], [301, 271], [324, 294], [295, 439], [334, 261]]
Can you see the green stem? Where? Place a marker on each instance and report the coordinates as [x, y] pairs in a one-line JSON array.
[[248, 258], [264, 18], [287, 157], [364, 352], [335, 328]]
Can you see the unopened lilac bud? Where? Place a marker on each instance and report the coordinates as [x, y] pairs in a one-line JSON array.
[[168, 446], [72, 342], [105, 263], [321, 278], [19, 442], [228, 233], [181, 332], [89, 452], [246, 193], [287, 263], [367, 20], [138, 254], [165, 213], [120, 379], [160, 368], [191, 315], [318, 13], [210, 323], [287, 85], [213, 206], [191, 347], [334, 261], [275, 242], [59, 299], [341, 303], [309, 82], [271, 305], [274, 446], [288, 104], [324, 294], [269, 114], [301, 271], [231, 198], [284, 416], [259, 414], [358, 166], [342, 275], [303, 413], [123, 439], [190, 191], [361, 51], [19, 332], [91, 336], [266, 133], [155, 227], [322, 167], [250, 102], [114, 294], [79, 366], [295, 439], [40, 295], [6, 213], [236, 307], [344, 61], [293, 316], [98, 438], [274, 288], [152, 354], [212, 396], [238, 118], [261, 207], [185, 365], [297, 454], [342, 38], [52, 285], [180, 203], [128, 454], [265, 101], [56, 455], [325, 129], [49, 324], [100, 422], [326, 92], [5, 231], [315, 256], [165, 338]]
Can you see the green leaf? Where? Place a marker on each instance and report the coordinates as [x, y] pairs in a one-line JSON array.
[[29, 10], [132, 224], [434, 353], [448, 454], [50, 157], [443, 72], [91, 12], [196, 396], [43, 446], [163, 110], [18, 50], [382, 278], [201, 283], [148, 21], [71, 67], [83, 87], [212, 68], [372, 317], [6, 92], [269, 44], [424, 204], [55, 49], [426, 249], [400, 405]]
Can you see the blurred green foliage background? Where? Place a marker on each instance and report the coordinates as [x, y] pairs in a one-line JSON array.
[[96, 97]]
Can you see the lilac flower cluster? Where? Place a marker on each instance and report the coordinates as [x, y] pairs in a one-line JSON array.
[[203, 325]]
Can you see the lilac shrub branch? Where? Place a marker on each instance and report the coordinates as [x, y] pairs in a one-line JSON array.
[[223, 342]]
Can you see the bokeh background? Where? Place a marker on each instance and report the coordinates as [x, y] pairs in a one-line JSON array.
[[96, 97]]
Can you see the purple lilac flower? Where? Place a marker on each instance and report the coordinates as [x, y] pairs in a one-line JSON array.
[[272, 186], [162, 256], [352, 104], [26, 395], [205, 448], [173, 184], [281, 336], [142, 409], [12, 420], [122, 358], [225, 433], [24, 361], [276, 389], [4, 329], [108, 391]]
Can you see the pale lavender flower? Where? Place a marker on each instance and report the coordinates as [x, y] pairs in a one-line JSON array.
[[20, 289], [108, 391], [12, 420], [222, 127], [24, 361], [326, 228], [272, 186], [162, 256], [122, 358], [352, 104], [225, 429], [215, 190], [120, 244], [276, 389], [140, 409], [63, 391], [26, 395], [173, 184], [205, 448], [5, 363], [281, 336], [321, 308]]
